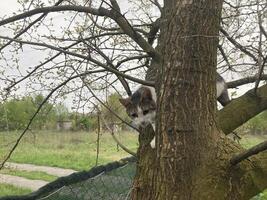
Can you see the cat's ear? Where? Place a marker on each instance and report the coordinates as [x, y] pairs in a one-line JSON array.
[[147, 94], [125, 102]]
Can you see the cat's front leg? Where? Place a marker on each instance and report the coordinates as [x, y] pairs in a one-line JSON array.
[[153, 141]]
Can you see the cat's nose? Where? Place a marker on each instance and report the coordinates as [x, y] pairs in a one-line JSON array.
[[143, 124]]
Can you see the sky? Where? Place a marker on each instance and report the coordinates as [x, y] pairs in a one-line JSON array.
[[8, 7]]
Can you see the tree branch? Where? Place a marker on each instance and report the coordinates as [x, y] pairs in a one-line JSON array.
[[224, 56], [113, 14], [242, 109], [237, 45], [243, 81], [38, 110], [109, 62], [128, 29], [31, 120], [100, 12], [249, 152], [115, 71], [263, 31], [29, 26]]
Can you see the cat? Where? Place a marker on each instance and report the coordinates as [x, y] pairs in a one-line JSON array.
[[141, 106]]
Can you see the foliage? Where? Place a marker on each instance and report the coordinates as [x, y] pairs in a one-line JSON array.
[[86, 122], [61, 111], [115, 107], [16, 113]]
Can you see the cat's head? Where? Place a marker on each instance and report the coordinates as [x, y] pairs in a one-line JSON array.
[[141, 106]]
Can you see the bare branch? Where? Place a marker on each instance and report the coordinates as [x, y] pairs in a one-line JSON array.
[[248, 153], [129, 30], [153, 31], [243, 81], [237, 113], [99, 12], [38, 109], [224, 56], [113, 14], [109, 62], [237, 45], [116, 139], [263, 31], [156, 3], [29, 26], [31, 120], [115, 71], [115, 5]]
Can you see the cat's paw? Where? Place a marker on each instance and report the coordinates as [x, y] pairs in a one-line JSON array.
[[153, 143]]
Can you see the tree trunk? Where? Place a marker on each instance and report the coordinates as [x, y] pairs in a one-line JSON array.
[[191, 159]]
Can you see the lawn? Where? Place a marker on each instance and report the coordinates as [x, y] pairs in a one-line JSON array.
[[248, 141], [74, 150], [6, 189], [34, 175]]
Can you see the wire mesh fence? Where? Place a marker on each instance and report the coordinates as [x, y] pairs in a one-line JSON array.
[[108, 182], [113, 185]]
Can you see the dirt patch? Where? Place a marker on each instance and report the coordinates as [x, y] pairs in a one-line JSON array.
[[22, 182], [49, 170]]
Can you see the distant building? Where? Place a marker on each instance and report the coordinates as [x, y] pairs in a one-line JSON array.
[[115, 127], [64, 125]]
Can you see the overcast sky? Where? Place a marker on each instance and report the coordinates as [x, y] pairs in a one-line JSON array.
[[8, 7]]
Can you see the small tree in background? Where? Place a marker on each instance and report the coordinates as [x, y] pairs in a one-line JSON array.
[[16, 113], [115, 107]]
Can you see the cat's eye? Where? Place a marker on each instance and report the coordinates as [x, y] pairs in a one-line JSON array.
[[145, 112], [134, 115]]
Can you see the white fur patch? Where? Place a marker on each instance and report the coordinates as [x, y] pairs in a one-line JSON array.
[[143, 120], [219, 88], [153, 143], [153, 93]]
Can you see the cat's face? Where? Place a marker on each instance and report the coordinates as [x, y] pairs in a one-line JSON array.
[[141, 107]]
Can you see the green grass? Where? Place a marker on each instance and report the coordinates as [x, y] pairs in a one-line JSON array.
[[6, 189], [34, 175], [248, 141], [74, 150]]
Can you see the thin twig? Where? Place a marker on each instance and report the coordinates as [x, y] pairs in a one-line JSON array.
[[247, 153], [98, 138], [224, 56], [243, 81], [30, 122], [109, 62], [113, 135], [115, 71], [237, 45], [35, 114], [29, 26], [260, 61], [116, 139]]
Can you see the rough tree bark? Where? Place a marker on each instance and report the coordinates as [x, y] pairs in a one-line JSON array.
[[191, 159]]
